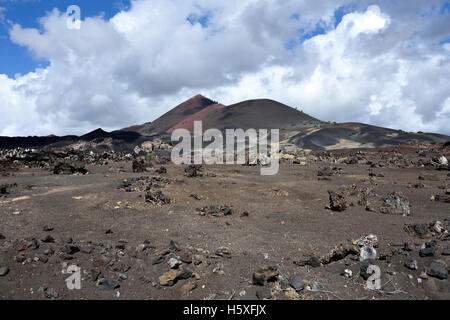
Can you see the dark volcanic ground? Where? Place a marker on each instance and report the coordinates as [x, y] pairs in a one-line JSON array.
[[281, 221]]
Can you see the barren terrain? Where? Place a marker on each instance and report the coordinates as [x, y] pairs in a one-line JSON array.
[[154, 234]]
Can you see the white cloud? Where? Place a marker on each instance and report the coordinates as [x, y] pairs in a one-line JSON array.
[[377, 66]]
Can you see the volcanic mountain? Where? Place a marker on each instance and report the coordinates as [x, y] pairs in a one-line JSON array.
[[258, 114], [167, 122], [297, 129]]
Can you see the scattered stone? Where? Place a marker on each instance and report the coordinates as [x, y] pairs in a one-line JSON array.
[[144, 246], [157, 260], [65, 257], [215, 211], [94, 274], [264, 275], [291, 294], [441, 198], [70, 249], [195, 196], [314, 262], [367, 252], [49, 252], [187, 287], [51, 294], [107, 284], [168, 278], [139, 184], [339, 252], [139, 165], [396, 204], [20, 258], [157, 197], [438, 269], [185, 274], [438, 227], [33, 245], [4, 271], [397, 244], [329, 171], [428, 249], [65, 239], [370, 239], [193, 171], [347, 273], [197, 260], [419, 230], [296, 282], [174, 263], [64, 168], [429, 178], [227, 211], [337, 201], [264, 293], [87, 249], [186, 258], [4, 189], [412, 265], [120, 246], [174, 246], [443, 161], [48, 239], [47, 228], [121, 267], [223, 252], [122, 277], [407, 247], [161, 170]]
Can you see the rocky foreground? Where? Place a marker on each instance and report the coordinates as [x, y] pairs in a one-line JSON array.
[[147, 229]]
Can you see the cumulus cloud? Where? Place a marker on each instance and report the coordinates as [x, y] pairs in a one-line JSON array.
[[386, 64]]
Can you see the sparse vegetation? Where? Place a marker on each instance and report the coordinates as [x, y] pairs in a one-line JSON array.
[[148, 156]]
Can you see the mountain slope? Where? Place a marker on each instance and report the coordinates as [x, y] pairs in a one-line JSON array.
[[258, 114], [173, 117], [188, 122], [358, 135]]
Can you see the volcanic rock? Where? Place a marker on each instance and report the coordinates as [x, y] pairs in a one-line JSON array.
[[169, 278], [397, 204], [264, 275], [157, 197], [337, 201], [4, 271], [296, 282], [438, 269], [193, 171], [107, 284]]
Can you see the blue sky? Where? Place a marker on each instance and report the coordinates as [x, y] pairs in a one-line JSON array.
[[16, 59]]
